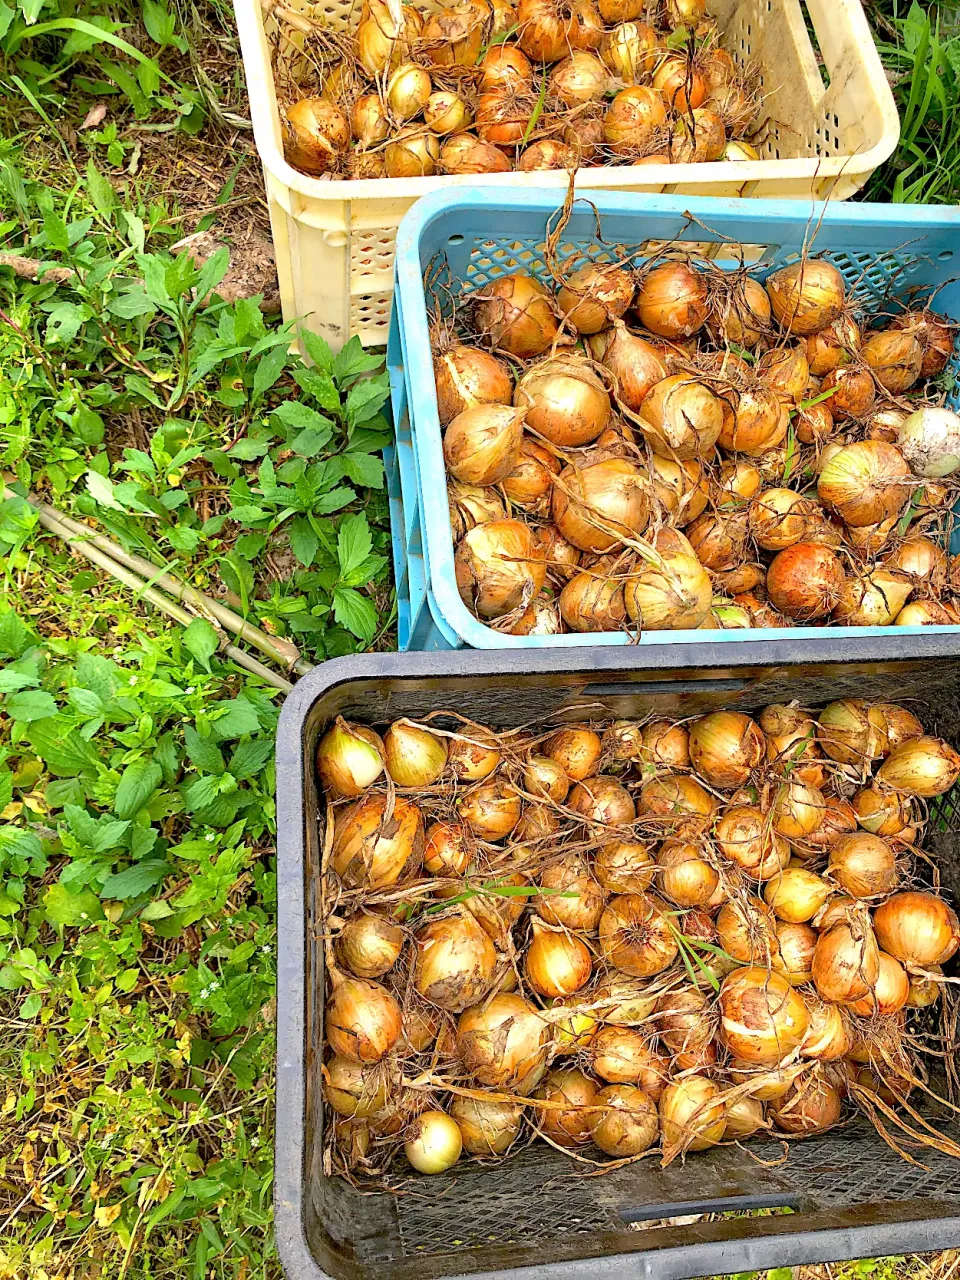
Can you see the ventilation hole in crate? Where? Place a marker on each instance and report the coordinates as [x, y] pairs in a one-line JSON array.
[[370, 317], [371, 252]]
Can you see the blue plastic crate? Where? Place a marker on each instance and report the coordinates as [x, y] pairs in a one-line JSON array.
[[486, 232]]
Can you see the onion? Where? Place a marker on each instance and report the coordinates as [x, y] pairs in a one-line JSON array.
[[622, 744], [632, 120], [924, 613], [791, 744], [466, 377], [919, 559], [408, 90], [636, 936], [621, 1055], [745, 835], [747, 931], [414, 756], [465, 153], [635, 364], [760, 613], [590, 602], [873, 600], [765, 1084], [681, 84], [412, 154], [537, 822], [557, 963], [375, 842], [600, 504], [853, 392], [698, 137], [681, 418], [368, 120], [865, 483], [455, 36], [924, 991], [833, 346], [487, 1127], [529, 484], [685, 876], [625, 1002], [852, 732], [762, 1018], [744, 1116], [742, 314], [594, 295], [894, 358], [835, 910], [354, 1090], [930, 441], [572, 897], [603, 800], [779, 518], [827, 1037], [725, 747], [737, 149], [504, 66], [934, 333], [890, 993], [446, 113], [497, 909], [569, 1120], [672, 300], [692, 1114], [546, 778], [806, 296], [349, 758], [785, 369], [882, 812], [665, 745], [547, 153], [381, 40], [811, 1105], [514, 313], [846, 963], [491, 809], [584, 134], [369, 944], [434, 1144], [757, 424], [797, 809], [473, 756], [564, 400], [545, 30], [720, 540], [684, 1021], [362, 1020], [814, 424], [482, 444], [316, 135], [560, 557], [918, 929], [455, 962], [796, 894], [673, 596], [674, 796], [578, 79], [503, 1043], [922, 766], [625, 1121], [499, 567], [448, 850], [629, 50], [797, 945], [682, 487], [805, 581], [577, 750], [573, 1030]]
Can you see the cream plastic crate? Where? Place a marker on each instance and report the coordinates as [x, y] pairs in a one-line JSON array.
[[825, 135]]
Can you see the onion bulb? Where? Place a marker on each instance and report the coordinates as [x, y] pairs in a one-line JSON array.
[[466, 153], [672, 300], [599, 504], [797, 945], [594, 295], [863, 865], [853, 391], [577, 750], [796, 894], [499, 567], [547, 153], [455, 962], [353, 1089], [806, 296], [865, 483], [924, 990], [408, 90], [529, 484], [636, 936], [589, 602], [674, 796], [466, 377], [762, 1018], [349, 758], [779, 518], [546, 778], [381, 40], [316, 135], [564, 400], [873, 600], [918, 929], [785, 369], [578, 79], [680, 83], [635, 363], [369, 944], [368, 120], [797, 809], [665, 745], [491, 810], [672, 596], [890, 993], [742, 315], [725, 747], [827, 1037], [745, 835], [362, 1021], [684, 1021], [684, 874], [632, 119], [846, 963], [747, 931], [919, 559], [473, 755], [625, 1002], [805, 581], [503, 1043], [692, 1114], [922, 766], [623, 866], [557, 963], [560, 556], [434, 1143], [625, 1121], [833, 346], [448, 850], [810, 1105], [934, 333], [743, 1117], [603, 800], [446, 113], [514, 313], [377, 842], [482, 444], [924, 613], [568, 1119], [894, 357], [882, 812], [681, 418], [545, 30], [572, 897], [412, 154], [414, 756], [852, 732], [622, 1055], [930, 441], [504, 67], [629, 50], [487, 1127]]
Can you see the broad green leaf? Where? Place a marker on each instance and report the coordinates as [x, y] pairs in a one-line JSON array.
[[250, 757], [137, 784], [201, 639], [320, 386], [354, 542], [268, 371], [304, 542], [64, 751], [366, 399], [352, 360], [136, 880], [203, 753], [14, 636], [32, 704], [64, 908], [363, 468], [355, 612], [318, 350], [233, 719], [101, 193]]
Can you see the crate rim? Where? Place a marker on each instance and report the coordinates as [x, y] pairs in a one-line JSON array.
[[909, 1233]]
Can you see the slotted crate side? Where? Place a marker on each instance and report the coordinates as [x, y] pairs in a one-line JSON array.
[[851, 1195], [823, 133], [880, 250]]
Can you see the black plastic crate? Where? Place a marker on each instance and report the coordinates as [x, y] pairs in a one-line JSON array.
[[536, 1214]]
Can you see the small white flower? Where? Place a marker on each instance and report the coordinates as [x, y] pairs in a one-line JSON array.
[[190, 689], [204, 993], [83, 915], [132, 680], [209, 836], [266, 950]]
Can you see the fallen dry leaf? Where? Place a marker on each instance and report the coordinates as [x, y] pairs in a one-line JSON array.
[[94, 116]]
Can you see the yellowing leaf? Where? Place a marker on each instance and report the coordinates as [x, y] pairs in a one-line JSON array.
[[106, 1214], [13, 810]]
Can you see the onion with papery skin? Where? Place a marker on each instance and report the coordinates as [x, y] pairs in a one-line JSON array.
[[665, 745], [894, 357], [922, 766], [547, 153], [785, 369], [454, 36], [621, 1055], [465, 153], [603, 800], [487, 1127], [563, 400], [504, 66], [762, 1018], [381, 40], [569, 1120], [577, 750], [623, 866], [719, 540], [864, 865], [919, 559], [811, 1105], [408, 90], [622, 743], [434, 1143], [349, 758], [503, 1043], [448, 850], [561, 557], [499, 567], [683, 488], [865, 483], [852, 732], [529, 484], [747, 931], [672, 596], [599, 504], [930, 441], [806, 296], [797, 945], [674, 796], [515, 314], [805, 581], [545, 29], [590, 602], [594, 295], [446, 113], [901, 725], [833, 346], [572, 897], [681, 418], [779, 518], [455, 962], [873, 600], [556, 963], [545, 777], [934, 332], [924, 613], [846, 963], [466, 377], [474, 755], [684, 875], [692, 1114], [625, 1002], [697, 138], [412, 154], [924, 990], [362, 1021], [672, 300], [745, 836], [537, 822], [827, 1037], [725, 747], [853, 390], [792, 748], [353, 1089], [755, 422], [636, 936], [625, 1121], [629, 51], [501, 118], [577, 79], [680, 83], [743, 1117], [316, 135], [796, 894], [738, 481], [369, 944], [741, 315], [632, 119], [814, 424], [414, 756], [491, 810], [765, 1084], [482, 444], [797, 809], [368, 120], [377, 842], [635, 363], [890, 993], [918, 929], [684, 1021]]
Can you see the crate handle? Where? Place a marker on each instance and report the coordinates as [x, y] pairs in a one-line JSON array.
[[722, 1204], [634, 687]]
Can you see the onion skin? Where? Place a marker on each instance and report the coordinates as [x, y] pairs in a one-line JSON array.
[[672, 300], [923, 766], [577, 750], [632, 119], [556, 963], [573, 898], [796, 894], [852, 732], [621, 1055], [863, 865], [568, 1124], [491, 809], [499, 567], [593, 296], [514, 314], [807, 296], [474, 756], [762, 1018], [748, 933], [894, 357], [805, 581], [352, 1089], [918, 929], [412, 154], [503, 1044], [684, 875], [665, 745], [629, 50], [853, 390], [833, 346], [692, 1117], [674, 796], [349, 758], [673, 597], [680, 83], [529, 484], [744, 1116], [636, 937], [603, 800], [414, 756], [547, 154], [466, 153], [434, 1144], [599, 505], [811, 1105], [362, 1020], [455, 962], [635, 363], [936, 335], [487, 1127], [890, 994], [563, 400], [865, 483], [466, 376], [481, 445], [725, 747], [628, 1123], [827, 1038], [846, 963], [316, 135], [745, 835], [369, 944], [592, 603], [681, 418], [373, 851]]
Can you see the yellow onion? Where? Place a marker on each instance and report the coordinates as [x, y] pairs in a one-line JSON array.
[[446, 113], [545, 29], [681, 84], [798, 809], [412, 154], [514, 313], [725, 747], [466, 377], [743, 1117], [684, 1021], [629, 51], [568, 1119], [625, 1121], [791, 744], [560, 556], [814, 424], [674, 796], [353, 1089], [414, 756], [455, 962], [890, 993], [537, 822], [827, 1037], [762, 1018], [503, 1043], [765, 1083], [737, 483], [602, 799], [873, 600], [368, 120], [481, 445], [362, 1021], [574, 1024], [665, 745], [833, 346], [922, 766], [349, 758], [805, 581], [865, 483], [672, 300], [622, 743], [918, 558], [779, 518], [852, 732], [571, 896], [797, 945], [682, 487], [684, 875], [315, 136], [621, 1055], [673, 595], [636, 936], [632, 120], [473, 755], [408, 90], [806, 296], [747, 931], [465, 153], [737, 149], [698, 137], [556, 963], [924, 613], [924, 990], [578, 79], [756, 423], [745, 835], [918, 929], [547, 153], [594, 295], [381, 40], [930, 440], [684, 13], [455, 36], [590, 602], [742, 314], [529, 484], [719, 540], [810, 1105], [846, 963], [499, 567], [497, 909], [785, 369], [681, 418], [487, 1127], [577, 750], [377, 841], [491, 810], [564, 400], [623, 866], [540, 618], [934, 332], [635, 363], [625, 1002], [863, 865], [597, 505], [692, 1114], [853, 392], [448, 850], [545, 777], [882, 812], [369, 944], [434, 1143], [796, 894], [894, 357]]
